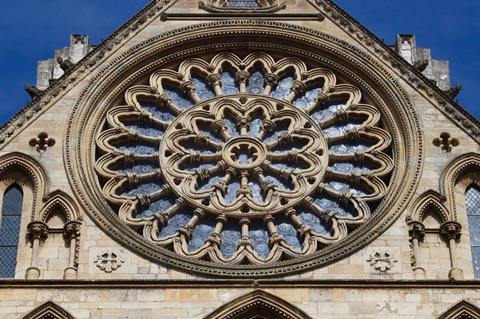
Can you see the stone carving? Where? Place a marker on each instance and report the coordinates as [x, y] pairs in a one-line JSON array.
[[32, 90], [65, 64], [454, 91], [382, 261], [109, 261], [445, 142], [250, 163], [42, 142], [233, 6]]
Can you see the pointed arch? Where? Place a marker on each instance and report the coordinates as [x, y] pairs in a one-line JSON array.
[[258, 304], [10, 220], [462, 310], [49, 310], [464, 166], [32, 170], [428, 203], [61, 203]]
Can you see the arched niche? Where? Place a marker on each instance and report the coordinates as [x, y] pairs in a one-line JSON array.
[[57, 253], [22, 171], [461, 174], [462, 310], [259, 305], [48, 310]]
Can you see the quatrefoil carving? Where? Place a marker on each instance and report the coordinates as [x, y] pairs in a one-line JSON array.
[[42, 142], [446, 142]]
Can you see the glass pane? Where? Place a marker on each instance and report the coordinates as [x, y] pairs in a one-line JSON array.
[[8, 261], [9, 231], [472, 202], [242, 4]]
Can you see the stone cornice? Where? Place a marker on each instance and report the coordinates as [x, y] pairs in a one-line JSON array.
[[447, 105], [238, 283]]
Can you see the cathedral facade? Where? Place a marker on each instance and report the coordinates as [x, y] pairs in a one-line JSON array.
[[240, 159]]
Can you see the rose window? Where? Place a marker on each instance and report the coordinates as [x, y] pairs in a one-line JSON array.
[[244, 161]]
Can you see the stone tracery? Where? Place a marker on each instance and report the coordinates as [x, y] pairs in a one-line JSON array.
[[244, 160]]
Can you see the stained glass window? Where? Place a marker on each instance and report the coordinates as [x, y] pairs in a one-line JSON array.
[[472, 199], [9, 230], [243, 173]]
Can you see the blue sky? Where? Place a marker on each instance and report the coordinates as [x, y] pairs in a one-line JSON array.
[[31, 30]]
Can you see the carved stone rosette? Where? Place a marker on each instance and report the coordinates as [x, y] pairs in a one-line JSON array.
[[244, 160]]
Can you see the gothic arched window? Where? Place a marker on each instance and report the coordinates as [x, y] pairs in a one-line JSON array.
[[472, 199], [9, 230]]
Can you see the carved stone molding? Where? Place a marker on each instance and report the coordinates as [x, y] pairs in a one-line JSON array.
[[399, 129], [258, 303], [462, 310], [37, 230], [48, 310]]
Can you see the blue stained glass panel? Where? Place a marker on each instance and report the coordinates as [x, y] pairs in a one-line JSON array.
[[337, 130], [232, 190], [256, 192], [229, 238], [209, 183], [472, 202], [161, 112], [345, 188], [283, 88], [139, 148], [203, 90], [242, 4], [189, 166], [231, 127], [206, 128], [288, 231], [326, 111], [345, 167], [144, 129], [255, 84], [138, 169], [229, 85], [349, 148], [157, 206], [9, 230], [8, 262], [474, 226], [175, 223], [255, 127], [312, 220], [201, 233], [178, 97], [146, 188], [281, 128], [309, 96], [328, 203], [260, 238], [280, 183]]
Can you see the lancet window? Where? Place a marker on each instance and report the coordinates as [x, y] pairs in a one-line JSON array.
[[9, 230], [472, 201]]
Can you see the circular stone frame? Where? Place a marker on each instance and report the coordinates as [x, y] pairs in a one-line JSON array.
[[113, 78]]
